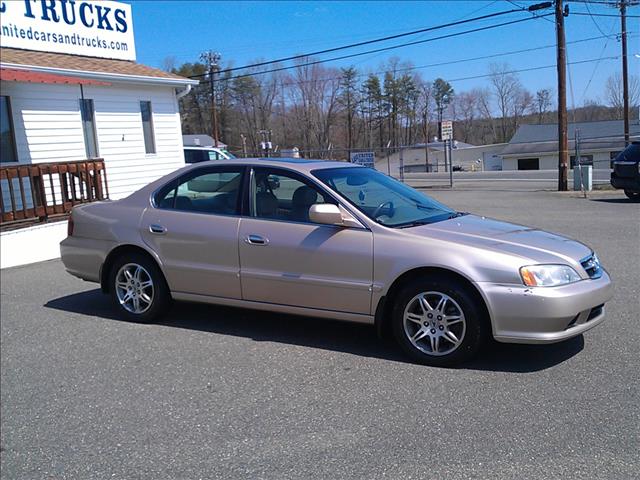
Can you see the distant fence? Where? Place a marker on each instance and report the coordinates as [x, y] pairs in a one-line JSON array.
[[37, 192]]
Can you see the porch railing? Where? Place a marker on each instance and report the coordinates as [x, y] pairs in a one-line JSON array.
[[41, 191]]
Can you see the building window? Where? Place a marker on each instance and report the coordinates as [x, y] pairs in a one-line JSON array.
[[7, 137], [528, 164], [87, 114], [147, 127], [584, 160]]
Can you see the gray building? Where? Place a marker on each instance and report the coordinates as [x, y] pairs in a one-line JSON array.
[[466, 156], [535, 147]]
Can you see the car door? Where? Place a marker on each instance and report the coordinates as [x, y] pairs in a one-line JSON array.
[[193, 227], [287, 259]]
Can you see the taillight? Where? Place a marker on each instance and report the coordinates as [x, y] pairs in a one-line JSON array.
[[70, 226]]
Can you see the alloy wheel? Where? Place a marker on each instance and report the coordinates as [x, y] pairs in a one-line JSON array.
[[134, 288], [434, 323]]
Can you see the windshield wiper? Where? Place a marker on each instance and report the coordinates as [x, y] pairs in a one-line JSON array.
[[417, 223], [457, 214]]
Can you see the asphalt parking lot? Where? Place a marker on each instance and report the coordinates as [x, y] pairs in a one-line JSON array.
[[228, 393]]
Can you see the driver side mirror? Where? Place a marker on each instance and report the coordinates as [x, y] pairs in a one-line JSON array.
[[326, 214]]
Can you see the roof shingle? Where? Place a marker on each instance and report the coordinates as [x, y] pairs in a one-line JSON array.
[[29, 58]]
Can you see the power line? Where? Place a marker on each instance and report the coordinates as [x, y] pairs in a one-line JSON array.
[[603, 15], [593, 19], [453, 62], [531, 69], [316, 62], [368, 42]]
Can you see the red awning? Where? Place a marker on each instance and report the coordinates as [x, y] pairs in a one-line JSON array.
[[14, 75]]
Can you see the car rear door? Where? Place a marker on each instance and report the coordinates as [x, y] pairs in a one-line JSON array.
[[193, 227], [287, 259]]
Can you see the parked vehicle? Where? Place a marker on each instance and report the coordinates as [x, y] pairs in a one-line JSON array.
[[626, 171], [330, 239], [204, 154]]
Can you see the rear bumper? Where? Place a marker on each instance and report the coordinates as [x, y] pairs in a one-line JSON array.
[[546, 315], [83, 257], [626, 183]]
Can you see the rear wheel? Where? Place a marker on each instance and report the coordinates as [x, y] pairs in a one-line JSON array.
[[635, 196], [438, 322], [138, 289]]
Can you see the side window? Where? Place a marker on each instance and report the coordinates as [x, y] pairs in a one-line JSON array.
[[87, 114], [7, 137], [214, 192], [147, 127], [281, 195]]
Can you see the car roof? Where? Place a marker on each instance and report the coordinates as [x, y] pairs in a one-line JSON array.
[[200, 147], [299, 164]]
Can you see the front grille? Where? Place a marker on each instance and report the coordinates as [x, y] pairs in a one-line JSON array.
[[591, 265]]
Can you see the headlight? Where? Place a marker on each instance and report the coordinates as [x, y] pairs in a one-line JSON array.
[[548, 275]]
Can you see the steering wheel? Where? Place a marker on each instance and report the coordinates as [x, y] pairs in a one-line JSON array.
[[376, 212]]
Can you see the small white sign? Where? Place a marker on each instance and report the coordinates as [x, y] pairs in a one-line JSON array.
[[368, 159], [79, 27], [446, 130]]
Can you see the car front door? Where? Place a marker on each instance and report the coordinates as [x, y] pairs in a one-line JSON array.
[[193, 228], [287, 259]]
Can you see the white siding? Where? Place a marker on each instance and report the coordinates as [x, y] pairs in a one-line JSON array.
[[48, 128]]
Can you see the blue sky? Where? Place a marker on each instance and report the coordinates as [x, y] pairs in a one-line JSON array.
[[247, 31]]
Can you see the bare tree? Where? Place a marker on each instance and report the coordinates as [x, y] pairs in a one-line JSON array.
[[523, 104], [543, 103], [614, 94], [466, 108], [506, 87], [169, 63], [486, 112], [314, 98]]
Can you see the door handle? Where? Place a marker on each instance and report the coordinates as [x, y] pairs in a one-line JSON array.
[[159, 229], [256, 240]]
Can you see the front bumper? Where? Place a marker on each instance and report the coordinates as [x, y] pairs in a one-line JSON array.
[[521, 314]]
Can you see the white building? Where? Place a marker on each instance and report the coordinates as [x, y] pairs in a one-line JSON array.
[[466, 156], [63, 104], [535, 147]]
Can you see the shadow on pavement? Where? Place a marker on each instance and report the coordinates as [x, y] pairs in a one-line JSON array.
[[612, 200], [325, 334]]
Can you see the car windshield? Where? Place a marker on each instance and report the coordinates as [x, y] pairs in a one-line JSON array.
[[382, 198]]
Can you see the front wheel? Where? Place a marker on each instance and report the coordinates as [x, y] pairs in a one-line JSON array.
[[438, 322], [635, 196], [138, 289]]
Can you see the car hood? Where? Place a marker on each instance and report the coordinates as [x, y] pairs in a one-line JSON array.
[[505, 237]]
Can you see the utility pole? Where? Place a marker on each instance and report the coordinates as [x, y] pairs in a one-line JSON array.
[[212, 59], [625, 75], [561, 64]]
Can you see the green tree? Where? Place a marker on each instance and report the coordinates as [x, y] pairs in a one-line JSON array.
[[348, 98], [442, 95]]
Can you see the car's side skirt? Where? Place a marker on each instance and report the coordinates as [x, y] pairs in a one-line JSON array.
[[272, 307]]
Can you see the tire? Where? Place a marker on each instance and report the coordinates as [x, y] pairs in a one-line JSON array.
[[427, 322], [133, 296], [635, 196]]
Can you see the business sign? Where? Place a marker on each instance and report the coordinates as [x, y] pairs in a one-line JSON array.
[[446, 130], [367, 159], [80, 27]]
